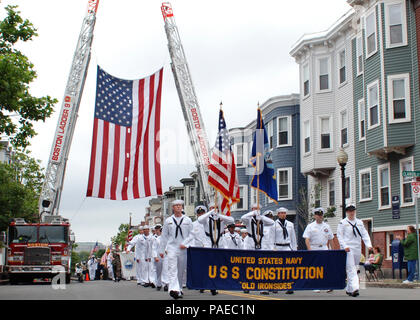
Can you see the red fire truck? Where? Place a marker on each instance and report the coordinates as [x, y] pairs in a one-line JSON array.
[[38, 250]]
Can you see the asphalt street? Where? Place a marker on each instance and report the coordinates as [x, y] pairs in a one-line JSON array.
[[129, 290]]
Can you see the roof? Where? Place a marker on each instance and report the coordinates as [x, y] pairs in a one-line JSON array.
[[317, 37]]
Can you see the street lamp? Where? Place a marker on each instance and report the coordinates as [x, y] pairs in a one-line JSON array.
[[342, 158]]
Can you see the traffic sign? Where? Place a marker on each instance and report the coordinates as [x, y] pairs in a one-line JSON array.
[[407, 173], [415, 188]]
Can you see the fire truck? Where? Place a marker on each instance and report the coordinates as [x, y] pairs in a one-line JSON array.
[[39, 250]]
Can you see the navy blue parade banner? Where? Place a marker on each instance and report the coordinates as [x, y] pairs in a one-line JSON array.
[[227, 269]]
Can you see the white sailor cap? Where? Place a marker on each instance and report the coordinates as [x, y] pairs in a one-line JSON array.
[[158, 226], [267, 213], [319, 210], [237, 229], [146, 227], [200, 208], [256, 205], [282, 209], [211, 205], [141, 227], [177, 201], [243, 230], [350, 207]]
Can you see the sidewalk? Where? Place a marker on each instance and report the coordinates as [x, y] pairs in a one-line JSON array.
[[392, 283]]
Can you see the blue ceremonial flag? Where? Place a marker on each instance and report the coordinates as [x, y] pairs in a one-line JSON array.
[[264, 178]]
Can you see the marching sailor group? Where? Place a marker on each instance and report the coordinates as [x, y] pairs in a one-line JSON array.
[[162, 256]]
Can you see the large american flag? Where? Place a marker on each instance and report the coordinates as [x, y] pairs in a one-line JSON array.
[[222, 169], [125, 162]]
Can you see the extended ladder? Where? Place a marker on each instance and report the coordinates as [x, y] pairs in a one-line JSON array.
[[188, 99], [49, 200]]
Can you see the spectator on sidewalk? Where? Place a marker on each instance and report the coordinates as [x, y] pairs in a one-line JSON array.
[[410, 252], [374, 260]]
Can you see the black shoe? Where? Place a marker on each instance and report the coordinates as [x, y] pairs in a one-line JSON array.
[[214, 292], [174, 294], [139, 284], [290, 292], [348, 293], [246, 291], [355, 293], [146, 285], [165, 288], [330, 291], [202, 290], [264, 292], [158, 288], [152, 285]]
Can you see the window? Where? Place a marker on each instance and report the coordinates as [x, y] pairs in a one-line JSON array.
[[343, 126], [399, 98], [396, 34], [283, 131], [192, 195], [362, 120], [254, 195], [324, 74], [384, 185], [331, 193], [389, 239], [406, 195], [347, 189], [325, 124], [241, 155], [306, 89], [284, 182], [359, 53], [342, 66], [371, 34], [270, 134], [373, 105], [307, 136], [365, 184], [243, 196]]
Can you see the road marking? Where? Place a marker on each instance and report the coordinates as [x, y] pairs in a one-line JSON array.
[[248, 295]]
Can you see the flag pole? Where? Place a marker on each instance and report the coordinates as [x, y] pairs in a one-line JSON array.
[[258, 185]]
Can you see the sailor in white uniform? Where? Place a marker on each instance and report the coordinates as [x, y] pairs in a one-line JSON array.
[[214, 225], [318, 234], [197, 236], [156, 259], [140, 244], [285, 236], [255, 224], [269, 233], [350, 233], [176, 230], [244, 237], [232, 239]]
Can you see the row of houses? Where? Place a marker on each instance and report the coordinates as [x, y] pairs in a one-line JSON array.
[[359, 92]]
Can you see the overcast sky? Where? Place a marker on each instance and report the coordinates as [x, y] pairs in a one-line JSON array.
[[237, 51]]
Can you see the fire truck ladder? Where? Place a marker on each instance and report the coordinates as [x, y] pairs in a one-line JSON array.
[[49, 201], [188, 100]]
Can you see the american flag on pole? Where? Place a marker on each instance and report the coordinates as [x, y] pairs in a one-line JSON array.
[[125, 162], [95, 248], [222, 169]]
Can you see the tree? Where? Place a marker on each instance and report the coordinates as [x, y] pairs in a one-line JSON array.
[[20, 187], [16, 74]]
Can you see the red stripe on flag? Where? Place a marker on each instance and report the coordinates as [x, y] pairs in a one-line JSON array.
[[115, 168], [127, 157], [157, 136], [146, 138], [136, 192], [92, 159], [104, 160]]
